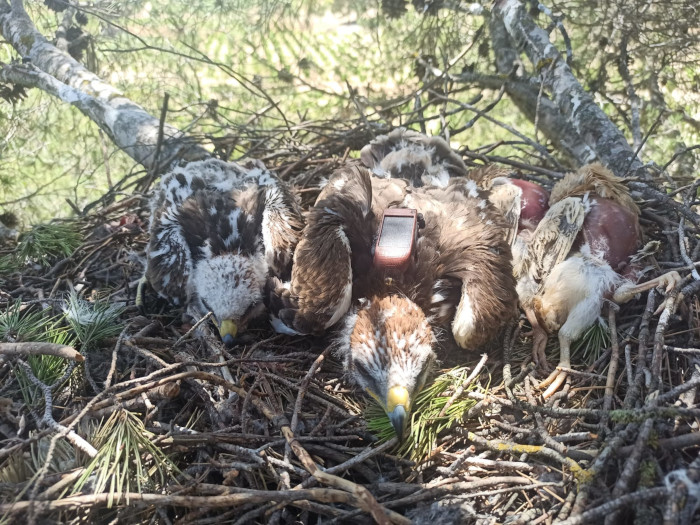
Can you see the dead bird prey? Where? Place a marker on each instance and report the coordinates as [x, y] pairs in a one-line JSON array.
[[217, 230], [389, 294], [579, 254]]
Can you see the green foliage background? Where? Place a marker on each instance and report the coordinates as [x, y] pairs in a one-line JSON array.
[[223, 62]]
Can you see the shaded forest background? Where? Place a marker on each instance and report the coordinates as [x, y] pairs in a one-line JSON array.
[[267, 66]]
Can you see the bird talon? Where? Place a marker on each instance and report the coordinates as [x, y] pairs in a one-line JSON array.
[[139, 295], [670, 280]]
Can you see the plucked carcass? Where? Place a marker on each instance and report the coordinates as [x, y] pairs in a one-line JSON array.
[[578, 255]]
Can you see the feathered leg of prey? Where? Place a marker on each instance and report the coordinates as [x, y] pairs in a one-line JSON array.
[[580, 318]]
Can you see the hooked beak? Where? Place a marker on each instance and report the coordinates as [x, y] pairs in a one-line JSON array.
[[228, 330], [398, 404]]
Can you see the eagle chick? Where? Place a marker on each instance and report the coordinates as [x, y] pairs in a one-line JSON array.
[[217, 229], [458, 280]]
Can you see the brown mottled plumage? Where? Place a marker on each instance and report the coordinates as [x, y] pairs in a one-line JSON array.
[[412, 156], [217, 229], [461, 278], [595, 179]]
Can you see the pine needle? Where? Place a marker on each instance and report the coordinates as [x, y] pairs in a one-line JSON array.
[[92, 322], [45, 243], [127, 458], [8, 265], [589, 347], [28, 325], [19, 468], [22, 324], [426, 423]]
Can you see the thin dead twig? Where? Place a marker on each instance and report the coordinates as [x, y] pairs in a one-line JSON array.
[[24, 349]]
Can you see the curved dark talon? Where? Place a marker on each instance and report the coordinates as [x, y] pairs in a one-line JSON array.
[[139, 300]]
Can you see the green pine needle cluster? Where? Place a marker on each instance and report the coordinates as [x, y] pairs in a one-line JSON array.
[[589, 347], [426, 423], [127, 459], [21, 467], [8, 265], [92, 322], [46, 243], [28, 325]]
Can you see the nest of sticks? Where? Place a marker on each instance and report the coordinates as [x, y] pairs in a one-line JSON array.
[[109, 414]]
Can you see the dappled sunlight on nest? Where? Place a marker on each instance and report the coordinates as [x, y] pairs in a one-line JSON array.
[[180, 423], [249, 423]]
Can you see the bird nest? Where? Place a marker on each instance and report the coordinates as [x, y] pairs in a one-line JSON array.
[[154, 420]]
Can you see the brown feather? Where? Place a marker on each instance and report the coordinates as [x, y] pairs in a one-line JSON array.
[[593, 178], [338, 234], [417, 158]]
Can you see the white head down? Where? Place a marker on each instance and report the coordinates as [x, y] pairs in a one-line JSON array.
[[230, 286]]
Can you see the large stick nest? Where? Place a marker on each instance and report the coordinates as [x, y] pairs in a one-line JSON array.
[[270, 431]]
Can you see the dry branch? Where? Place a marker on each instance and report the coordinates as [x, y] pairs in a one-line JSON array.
[[24, 349], [574, 103]]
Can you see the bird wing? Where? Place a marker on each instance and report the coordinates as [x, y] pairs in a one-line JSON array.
[[472, 267], [337, 235], [168, 255], [506, 198], [554, 236], [282, 225]]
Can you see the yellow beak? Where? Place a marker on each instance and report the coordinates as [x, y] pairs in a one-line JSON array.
[[398, 406], [228, 330]]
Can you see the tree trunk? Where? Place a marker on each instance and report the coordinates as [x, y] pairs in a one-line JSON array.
[[574, 103], [525, 96]]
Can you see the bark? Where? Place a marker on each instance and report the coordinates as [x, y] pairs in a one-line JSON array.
[[525, 96], [129, 126], [574, 103]]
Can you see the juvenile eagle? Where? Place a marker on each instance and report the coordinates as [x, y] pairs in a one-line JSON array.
[[459, 276], [217, 230]]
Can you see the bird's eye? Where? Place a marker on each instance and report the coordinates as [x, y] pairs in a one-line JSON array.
[[424, 375], [366, 375]]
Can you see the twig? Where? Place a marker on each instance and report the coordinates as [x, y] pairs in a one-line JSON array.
[[605, 509], [631, 467], [245, 498], [192, 330], [684, 252], [48, 419], [614, 360], [460, 389], [16, 349]]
